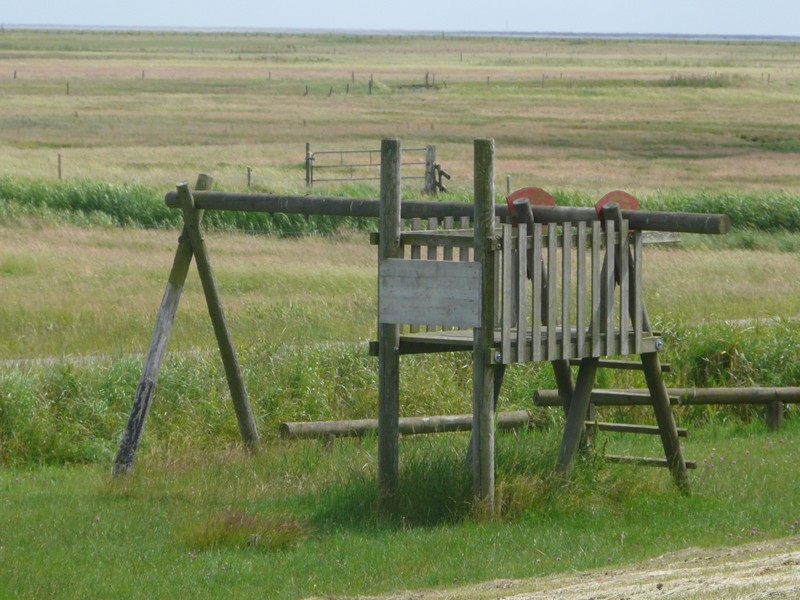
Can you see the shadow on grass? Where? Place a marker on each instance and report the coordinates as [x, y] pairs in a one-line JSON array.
[[436, 486]]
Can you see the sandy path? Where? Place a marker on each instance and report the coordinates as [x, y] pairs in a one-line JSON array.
[[768, 569]]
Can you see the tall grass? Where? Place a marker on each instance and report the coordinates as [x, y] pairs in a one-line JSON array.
[[88, 202], [74, 413]]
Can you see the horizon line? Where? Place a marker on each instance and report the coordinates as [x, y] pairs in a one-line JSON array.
[[399, 32]]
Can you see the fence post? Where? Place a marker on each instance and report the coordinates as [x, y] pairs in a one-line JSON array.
[[389, 224], [430, 170], [309, 167], [483, 370]]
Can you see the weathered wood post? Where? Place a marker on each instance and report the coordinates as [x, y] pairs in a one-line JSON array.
[[123, 463], [389, 334], [430, 170], [241, 402], [309, 165], [773, 414], [665, 420], [483, 371]]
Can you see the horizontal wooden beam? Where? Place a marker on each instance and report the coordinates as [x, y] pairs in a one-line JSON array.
[[626, 365], [408, 425], [640, 220], [645, 461], [682, 396], [632, 428]]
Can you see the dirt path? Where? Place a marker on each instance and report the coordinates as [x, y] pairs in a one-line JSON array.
[[761, 570]]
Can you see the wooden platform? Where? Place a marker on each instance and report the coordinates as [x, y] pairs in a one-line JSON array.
[[461, 340]]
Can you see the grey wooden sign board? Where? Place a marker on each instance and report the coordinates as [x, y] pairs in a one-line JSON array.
[[423, 292]]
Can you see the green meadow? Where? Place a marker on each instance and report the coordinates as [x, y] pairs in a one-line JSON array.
[[685, 125]]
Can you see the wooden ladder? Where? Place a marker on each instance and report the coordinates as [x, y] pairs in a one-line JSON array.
[[592, 424]]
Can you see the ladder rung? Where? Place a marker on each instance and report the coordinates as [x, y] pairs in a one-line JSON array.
[[632, 428], [646, 461], [629, 365]]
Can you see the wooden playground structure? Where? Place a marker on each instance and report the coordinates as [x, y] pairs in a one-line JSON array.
[[524, 282]]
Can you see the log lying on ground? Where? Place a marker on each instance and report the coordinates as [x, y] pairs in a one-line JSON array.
[[408, 425], [682, 396]]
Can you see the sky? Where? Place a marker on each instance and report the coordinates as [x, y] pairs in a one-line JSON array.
[[690, 17]]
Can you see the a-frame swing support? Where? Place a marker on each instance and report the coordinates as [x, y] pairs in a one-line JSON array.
[[190, 244]]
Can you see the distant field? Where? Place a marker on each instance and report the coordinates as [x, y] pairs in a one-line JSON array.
[[588, 115]]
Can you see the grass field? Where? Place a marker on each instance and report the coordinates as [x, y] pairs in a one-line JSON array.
[[639, 115], [694, 123]]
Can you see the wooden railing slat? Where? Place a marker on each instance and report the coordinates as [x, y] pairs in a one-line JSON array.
[[608, 290], [536, 301], [597, 316], [509, 275], [523, 351], [552, 244], [580, 310], [624, 314], [566, 289]]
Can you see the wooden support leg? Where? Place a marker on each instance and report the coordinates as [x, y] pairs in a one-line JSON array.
[[388, 412], [483, 336], [666, 420], [483, 431], [123, 462], [390, 225], [773, 413], [576, 418], [241, 402], [499, 373], [566, 387]]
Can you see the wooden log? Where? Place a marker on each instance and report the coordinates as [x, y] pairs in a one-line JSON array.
[[406, 425], [390, 224], [126, 454], [682, 396], [640, 220], [230, 362], [483, 336]]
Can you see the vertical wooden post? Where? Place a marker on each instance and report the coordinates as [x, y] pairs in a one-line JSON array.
[[249, 177], [389, 334], [309, 165], [773, 414], [665, 420], [430, 170], [483, 373], [123, 463], [241, 402]]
